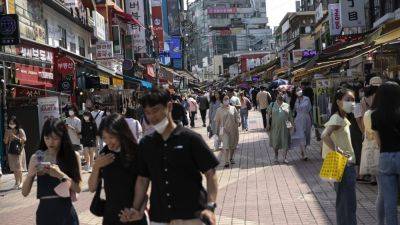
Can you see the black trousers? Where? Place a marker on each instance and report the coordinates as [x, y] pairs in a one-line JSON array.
[[264, 117], [192, 116], [203, 114]]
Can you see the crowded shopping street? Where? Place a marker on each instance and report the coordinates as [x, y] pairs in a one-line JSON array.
[[254, 191]]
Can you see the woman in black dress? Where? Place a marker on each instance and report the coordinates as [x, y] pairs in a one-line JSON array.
[[56, 165], [116, 165], [88, 132]]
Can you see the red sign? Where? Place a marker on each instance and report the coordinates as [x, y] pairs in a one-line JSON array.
[[65, 65], [31, 51], [158, 27], [32, 75]]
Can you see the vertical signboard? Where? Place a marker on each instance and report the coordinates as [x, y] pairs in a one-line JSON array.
[[10, 4], [100, 26], [173, 17], [136, 9], [175, 51], [335, 25], [158, 26], [352, 13]]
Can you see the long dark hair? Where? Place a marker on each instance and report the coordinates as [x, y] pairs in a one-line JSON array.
[[293, 98], [387, 109], [66, 157], [116, 124], [89, 114], [14, 120], [339, 94]]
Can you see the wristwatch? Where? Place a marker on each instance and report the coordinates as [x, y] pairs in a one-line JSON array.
[[63, 179], [211, 206]]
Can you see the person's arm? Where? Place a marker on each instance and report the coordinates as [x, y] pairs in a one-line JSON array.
[[326, 136], [6, 139], [27, 184], [22, 136], [100, 162], [77, 186], [141, 187], [212, 185]]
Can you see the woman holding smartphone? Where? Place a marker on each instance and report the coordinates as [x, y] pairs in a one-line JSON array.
[[116, 166], [57, 167]]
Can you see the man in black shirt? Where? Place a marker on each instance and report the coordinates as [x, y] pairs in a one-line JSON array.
[[173, 158], [203, 106], [178, 112]]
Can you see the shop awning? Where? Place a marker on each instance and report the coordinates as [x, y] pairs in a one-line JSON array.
[[386, 33], [128, 18], [144, 83]]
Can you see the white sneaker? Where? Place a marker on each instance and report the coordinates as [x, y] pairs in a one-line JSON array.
[[89, 169]]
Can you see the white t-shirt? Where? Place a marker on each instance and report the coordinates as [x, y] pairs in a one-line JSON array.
[[74, 134], [98, 118], [235, 101], [135, 127]]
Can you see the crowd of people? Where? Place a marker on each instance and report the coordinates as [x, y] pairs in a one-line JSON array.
[[153, 145]]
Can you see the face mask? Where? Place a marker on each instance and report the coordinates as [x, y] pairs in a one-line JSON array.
[[86, 118], [12, 126], [71, 113], [348, 107], [299, 93], [226, 102], [160, 127]]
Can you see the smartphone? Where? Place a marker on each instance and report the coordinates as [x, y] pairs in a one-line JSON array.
[[42, 165]]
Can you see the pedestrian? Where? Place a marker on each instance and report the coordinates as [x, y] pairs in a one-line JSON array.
[[233, 99], [14, 141], [203, 107], [254, 97], [281, 123], [89, 132], [245, 106], [263, 101], [172, 159], [215, 100], [308, 91], [302, 123], [178, 112], [97, 115], [228, 121], [134, 125], [57, 169], [337, 137], [74, 126], [116, 170], [386, 123], [193, 110]]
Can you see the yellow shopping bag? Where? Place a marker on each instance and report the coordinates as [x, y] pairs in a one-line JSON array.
[[333, 167]]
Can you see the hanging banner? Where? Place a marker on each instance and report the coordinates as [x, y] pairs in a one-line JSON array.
[[158, 27], [100, 26], [136, 9], [352, 13], [48, 108], [335, 25]]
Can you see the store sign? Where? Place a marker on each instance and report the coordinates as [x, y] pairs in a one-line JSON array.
[[100, 26], [136, 9], [309, 53], [9, 29], [175, 48], [104, 50], [348, 38], [105, 80], [48, 108], [112, 64], [319, 13], [117, 82], [156, 3], [35, 53], [297, 55], [31, 20], [65, 65], [127, 64], [335, 24], [46, 75], [71, 3], [352, 13], [219, 10], [158, 27], [174, 17]]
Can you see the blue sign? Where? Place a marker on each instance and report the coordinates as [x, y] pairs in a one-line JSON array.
[[177, 63], [175, 50]]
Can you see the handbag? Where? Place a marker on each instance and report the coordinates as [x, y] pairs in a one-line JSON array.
[[333, 167], [369, 164], [248, 104], [15, 147], [98, 204]]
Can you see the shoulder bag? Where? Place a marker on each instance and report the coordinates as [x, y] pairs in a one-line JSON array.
[[98, 204], [15, 147]]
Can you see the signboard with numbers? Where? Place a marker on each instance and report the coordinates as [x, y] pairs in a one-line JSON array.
[[352, 13], [9, 29]]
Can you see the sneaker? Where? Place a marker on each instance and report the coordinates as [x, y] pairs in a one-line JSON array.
[[204, 125], [286, 161]]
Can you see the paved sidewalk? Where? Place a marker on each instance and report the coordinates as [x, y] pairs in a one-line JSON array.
[[253, 191]]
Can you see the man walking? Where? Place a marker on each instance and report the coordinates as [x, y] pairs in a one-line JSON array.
[[173, 158], [263, 98], [192, 110], [203, 106]]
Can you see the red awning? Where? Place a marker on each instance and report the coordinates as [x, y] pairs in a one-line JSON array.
[[128, 17]]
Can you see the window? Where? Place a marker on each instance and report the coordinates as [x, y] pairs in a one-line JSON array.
[[81, 46], [63, 38], [72, 47]]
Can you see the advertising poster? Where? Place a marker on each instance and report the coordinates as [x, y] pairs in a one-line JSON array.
[[175, 48], [158, 26], [173, 17], [48, 108]]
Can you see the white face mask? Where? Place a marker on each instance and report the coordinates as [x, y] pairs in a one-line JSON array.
[[299, 93], [226, 102], [86, 118], [71, 113], [348, 106], [12, 126], [161, 126]]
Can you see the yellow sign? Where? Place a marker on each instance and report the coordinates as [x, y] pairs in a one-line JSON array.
[[10, 6], [104, 80], [118, 82]]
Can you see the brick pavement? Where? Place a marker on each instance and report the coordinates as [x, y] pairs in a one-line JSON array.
[[254, 191]]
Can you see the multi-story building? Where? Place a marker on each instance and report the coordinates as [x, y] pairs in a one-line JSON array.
[[228, 27]]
